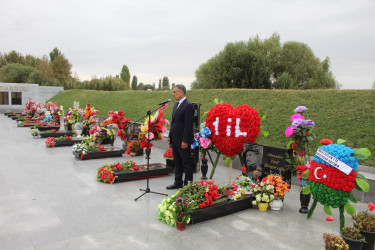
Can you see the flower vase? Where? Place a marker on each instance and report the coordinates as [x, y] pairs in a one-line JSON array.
[[353, 244], [204, 168], [276, 204], [370, 240], [305, 200], [262, 206], [79, 133], [181, 226]]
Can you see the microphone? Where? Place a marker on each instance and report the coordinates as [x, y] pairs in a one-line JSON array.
[[162, 103]]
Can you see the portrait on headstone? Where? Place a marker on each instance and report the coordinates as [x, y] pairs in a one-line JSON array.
[[253, 157]]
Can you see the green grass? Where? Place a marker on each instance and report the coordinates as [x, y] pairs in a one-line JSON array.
[[345, 114]]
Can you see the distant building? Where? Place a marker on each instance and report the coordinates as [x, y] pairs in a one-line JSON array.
[[13, 96]]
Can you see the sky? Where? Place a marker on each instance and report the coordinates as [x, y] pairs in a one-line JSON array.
[[157, 38]]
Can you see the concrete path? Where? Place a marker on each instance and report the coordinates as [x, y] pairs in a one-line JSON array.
[[50, 200]]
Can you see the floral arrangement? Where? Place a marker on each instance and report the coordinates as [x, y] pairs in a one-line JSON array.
[[101, 133], [74, 114], [243, 186], [89, 115], [280, 186], [132, 147], [332, 177], [168, 154], [183, 208], [263, 192], [333, 242], [34, 132], [153, 129], [301, 133], [50, 142], [203, 193], [84, 148], [27, 111], [117, 120], [106, 173], [231, 127]]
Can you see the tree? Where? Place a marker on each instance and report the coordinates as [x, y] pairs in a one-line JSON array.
[[15, 73], [125, 76], [61, 69], [159, 88], [140, 86], [54, 54], [165, 83], [258, 64], [134, 82], [148, 86], [173, 84]]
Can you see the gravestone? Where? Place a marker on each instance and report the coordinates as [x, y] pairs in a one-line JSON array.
[[265, 160]]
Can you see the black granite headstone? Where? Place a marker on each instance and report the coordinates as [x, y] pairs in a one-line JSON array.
[[265, 160]]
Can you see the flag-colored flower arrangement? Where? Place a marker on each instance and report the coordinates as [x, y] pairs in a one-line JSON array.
[[117, 120], [332, 177]]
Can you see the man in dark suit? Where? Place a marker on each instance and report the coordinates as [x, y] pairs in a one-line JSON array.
[[181, 137]]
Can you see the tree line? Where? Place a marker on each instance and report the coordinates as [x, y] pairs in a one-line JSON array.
[[56, 70], [265, 64]]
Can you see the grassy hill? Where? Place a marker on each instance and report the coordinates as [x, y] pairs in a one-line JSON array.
[[345, 114]]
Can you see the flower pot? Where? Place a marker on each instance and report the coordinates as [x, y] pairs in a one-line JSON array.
[[353, 244], [181, 226], [370, 240], [276, 204], [262, 206]]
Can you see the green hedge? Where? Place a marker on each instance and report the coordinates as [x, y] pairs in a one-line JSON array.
[[346, 114]]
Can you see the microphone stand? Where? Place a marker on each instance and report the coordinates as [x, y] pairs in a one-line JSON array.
[[148, 152]]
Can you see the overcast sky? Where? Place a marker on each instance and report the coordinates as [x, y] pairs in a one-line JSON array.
[[157, 38]]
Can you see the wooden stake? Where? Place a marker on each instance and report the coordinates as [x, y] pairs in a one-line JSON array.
[[230, 171]]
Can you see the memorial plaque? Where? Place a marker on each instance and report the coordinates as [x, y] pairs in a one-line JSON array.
[[266, 160]]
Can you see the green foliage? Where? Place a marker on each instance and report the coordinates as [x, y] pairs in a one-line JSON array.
[[306, 189], [327, 210], [362, 185], [134, 82], [265, 64], [362, 153], [125, 76], [349, 208], [15, 72], [165, 83], [336, 113], [352, 233]]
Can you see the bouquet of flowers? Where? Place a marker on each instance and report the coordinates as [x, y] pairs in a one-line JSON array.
[[280, 186], [168, 154], [117, 120], [301, 131], [263, 192], [89, 115], [74, 114], [243, 186], [153, 129], [106, 173], [132, 147], [50, 142]]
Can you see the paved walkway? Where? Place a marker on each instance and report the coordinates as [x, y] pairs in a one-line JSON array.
[[50, 200]]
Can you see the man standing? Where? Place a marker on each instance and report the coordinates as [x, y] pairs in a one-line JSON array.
[[181, 137]]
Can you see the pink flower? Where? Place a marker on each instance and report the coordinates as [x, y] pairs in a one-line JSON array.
[[165, 106], [166, 121], [150, 136], [205, 142], [164, 129], [297, 116], [289, 131]]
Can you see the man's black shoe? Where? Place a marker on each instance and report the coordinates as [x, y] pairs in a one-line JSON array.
[[174, 186]]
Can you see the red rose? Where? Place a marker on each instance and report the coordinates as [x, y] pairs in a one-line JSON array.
[[329, 218], [371, 206], [243, 169]]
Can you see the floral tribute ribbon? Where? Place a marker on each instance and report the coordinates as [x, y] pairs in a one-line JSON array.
[[230, 127]]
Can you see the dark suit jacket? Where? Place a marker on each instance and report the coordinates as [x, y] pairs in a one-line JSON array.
[[182, 124]]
